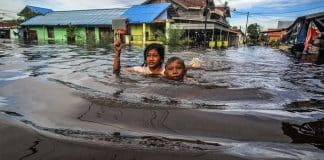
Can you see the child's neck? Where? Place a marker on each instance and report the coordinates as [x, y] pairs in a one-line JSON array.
[[156, 70]]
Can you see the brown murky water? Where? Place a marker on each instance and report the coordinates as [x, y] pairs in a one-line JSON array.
[[246, 103]]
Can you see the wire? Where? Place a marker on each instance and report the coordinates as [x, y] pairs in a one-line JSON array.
[[3, 10], [7, 15], [320, 7], [275, 13], [284, 16]]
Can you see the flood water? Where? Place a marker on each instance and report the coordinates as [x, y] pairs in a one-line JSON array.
[[250, 102]]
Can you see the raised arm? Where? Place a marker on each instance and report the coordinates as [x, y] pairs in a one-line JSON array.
[[116, 64]]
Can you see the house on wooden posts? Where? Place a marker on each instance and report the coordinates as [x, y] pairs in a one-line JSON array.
[[191, 15], [306, 37], [77, 26]]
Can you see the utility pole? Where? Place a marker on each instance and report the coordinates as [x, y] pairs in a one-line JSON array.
[[246, 25]]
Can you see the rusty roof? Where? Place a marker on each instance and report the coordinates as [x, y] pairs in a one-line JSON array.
[[8, 24], [184, 3], [192, 3]]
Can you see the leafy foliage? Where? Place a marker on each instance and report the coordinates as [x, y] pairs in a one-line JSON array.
[[70, 33], [25, 16], [107, 39], [253, 31], [176, 37]]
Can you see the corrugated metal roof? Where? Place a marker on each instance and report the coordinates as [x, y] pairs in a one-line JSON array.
[[145, 13], [39, 10], [77, 17]]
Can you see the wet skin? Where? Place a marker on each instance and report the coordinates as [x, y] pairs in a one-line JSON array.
[[175, 70], [153, 59]]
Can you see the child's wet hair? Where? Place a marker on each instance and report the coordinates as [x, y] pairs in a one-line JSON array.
[[172, 59], [158, 47]]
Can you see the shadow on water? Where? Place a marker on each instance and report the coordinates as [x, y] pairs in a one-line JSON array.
[[33, 149], [36, 71], [310, 132], [305, 106], [11, 113]]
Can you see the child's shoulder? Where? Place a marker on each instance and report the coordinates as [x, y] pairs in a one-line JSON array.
[[139, 69]]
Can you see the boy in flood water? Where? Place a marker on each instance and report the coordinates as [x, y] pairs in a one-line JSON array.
[[175, 69], [153, 60]]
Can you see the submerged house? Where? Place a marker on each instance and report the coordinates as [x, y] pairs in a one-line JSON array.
[[306, 36], [145, 23], [75, 26], [194, 16], [80, 26]]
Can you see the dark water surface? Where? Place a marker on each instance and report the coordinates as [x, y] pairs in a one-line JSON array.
[[250, 102]]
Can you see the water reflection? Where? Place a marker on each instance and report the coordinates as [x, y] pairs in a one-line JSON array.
[[310, 132], [240, 68], [308, 77], [305, 106], [240, 87]]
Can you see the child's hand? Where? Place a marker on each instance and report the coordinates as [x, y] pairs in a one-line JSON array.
[[117, 44], [195, 63]]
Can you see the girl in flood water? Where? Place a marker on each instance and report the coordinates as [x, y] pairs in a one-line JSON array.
[[153, 60]]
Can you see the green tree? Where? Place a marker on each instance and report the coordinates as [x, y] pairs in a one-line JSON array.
[[25, 16], [70, 33], [176, 37], [253, 31]]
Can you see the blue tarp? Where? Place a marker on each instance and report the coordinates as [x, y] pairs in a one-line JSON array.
[[39, 10], [302, 34], [145, 13]]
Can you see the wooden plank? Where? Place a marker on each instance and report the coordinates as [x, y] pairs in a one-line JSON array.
[[190, 26]]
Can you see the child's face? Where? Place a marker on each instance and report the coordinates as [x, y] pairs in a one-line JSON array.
[[153, 59], [175, 70]]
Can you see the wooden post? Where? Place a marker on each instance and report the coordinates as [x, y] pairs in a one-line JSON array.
[[220, 35], [144, 35], [44, 33], [213, 32], [167, 29]]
